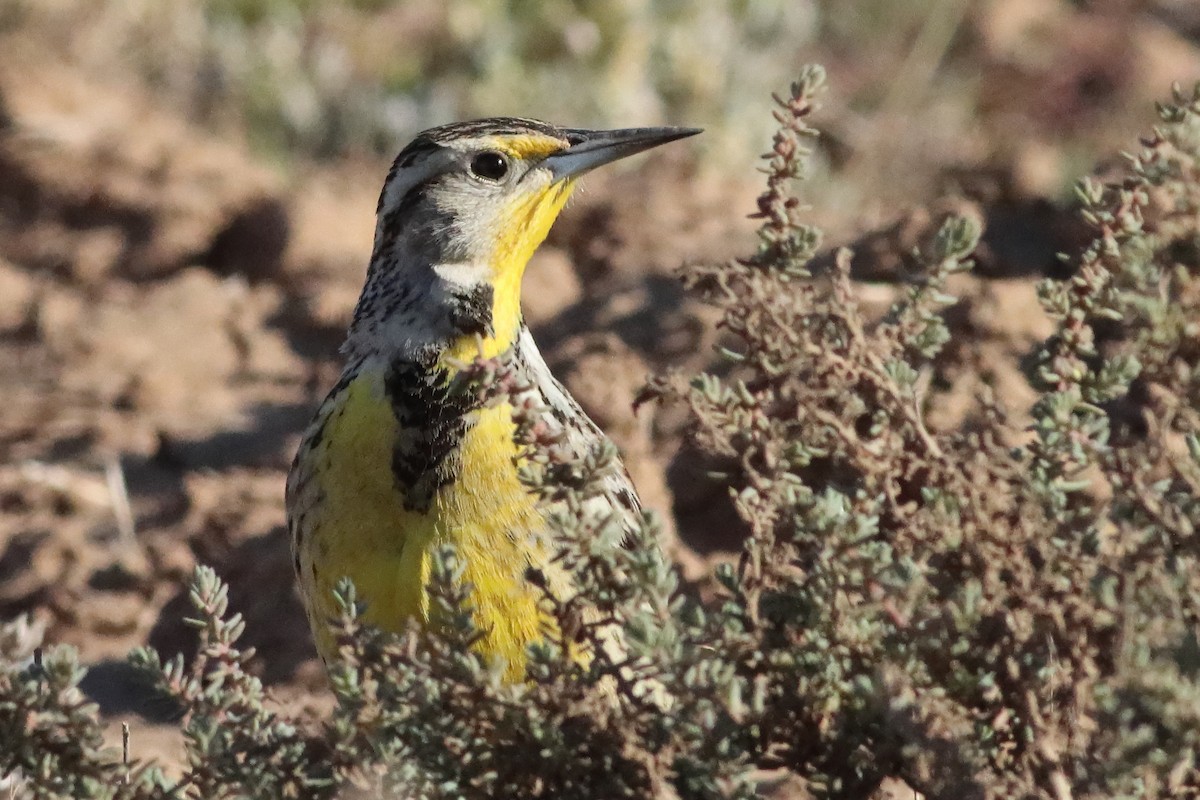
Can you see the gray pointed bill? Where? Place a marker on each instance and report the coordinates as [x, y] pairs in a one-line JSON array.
[[591, 149]]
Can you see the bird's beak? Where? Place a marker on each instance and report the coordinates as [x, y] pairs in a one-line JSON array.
[[591, 149]]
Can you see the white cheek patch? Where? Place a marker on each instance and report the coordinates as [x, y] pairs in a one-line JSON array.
[[462, 274]]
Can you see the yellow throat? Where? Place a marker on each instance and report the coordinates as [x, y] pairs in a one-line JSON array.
[[531, 219]]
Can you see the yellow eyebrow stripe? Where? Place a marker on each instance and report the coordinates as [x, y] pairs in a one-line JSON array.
[[530, 146]]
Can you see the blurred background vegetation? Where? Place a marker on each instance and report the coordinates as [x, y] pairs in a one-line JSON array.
[[917, 82], [313, 78]]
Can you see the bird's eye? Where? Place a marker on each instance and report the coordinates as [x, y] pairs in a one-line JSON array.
[[490, 165]]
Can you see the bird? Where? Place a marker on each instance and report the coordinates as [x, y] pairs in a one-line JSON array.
[[395, 463]]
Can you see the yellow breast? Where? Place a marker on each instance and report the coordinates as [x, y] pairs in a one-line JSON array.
[[352, 521]]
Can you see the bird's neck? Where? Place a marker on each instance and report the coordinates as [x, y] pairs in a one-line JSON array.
[[452, 313], [492, 331], [416, 302], [528, 224]]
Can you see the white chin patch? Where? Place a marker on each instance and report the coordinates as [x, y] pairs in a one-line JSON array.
[[461, 274]]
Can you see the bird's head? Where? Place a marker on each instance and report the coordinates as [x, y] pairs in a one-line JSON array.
[[462, 210]]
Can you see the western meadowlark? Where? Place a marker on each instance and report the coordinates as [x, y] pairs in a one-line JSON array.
[[394, 463]]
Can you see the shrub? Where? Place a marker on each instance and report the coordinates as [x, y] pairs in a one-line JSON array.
[[976, 619]]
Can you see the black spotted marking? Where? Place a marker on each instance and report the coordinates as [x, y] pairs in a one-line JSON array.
[[471, 310], [349, 374], [626, 497], [619, 487], [317, 435], [399, 299], [432, 421], [312, 440]]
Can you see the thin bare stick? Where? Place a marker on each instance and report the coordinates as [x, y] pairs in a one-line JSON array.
[[119, 497], [125, 750]]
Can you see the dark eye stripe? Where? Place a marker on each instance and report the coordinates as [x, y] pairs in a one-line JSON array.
[[395, 216], [409, 156]]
